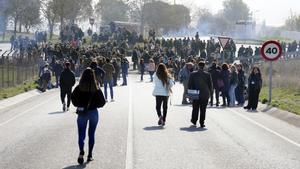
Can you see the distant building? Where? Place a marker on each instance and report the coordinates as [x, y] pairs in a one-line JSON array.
[[245, 29]]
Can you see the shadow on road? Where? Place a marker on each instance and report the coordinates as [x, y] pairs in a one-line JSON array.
[[58, 112], [154, 128], [76, 166], [192, 129]]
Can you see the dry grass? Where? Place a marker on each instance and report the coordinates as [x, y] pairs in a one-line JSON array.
[[286, 74], [286, 85]]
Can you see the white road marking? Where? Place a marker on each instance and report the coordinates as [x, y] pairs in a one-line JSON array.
[[266, 128], [26, 111], [129, 149]]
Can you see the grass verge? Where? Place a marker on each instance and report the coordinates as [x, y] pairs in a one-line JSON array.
[[283, 98], [13, 91]]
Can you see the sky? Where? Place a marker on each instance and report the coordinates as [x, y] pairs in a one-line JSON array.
[[274, 12]]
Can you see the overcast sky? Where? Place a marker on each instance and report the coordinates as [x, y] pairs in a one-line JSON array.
[[275, 12]]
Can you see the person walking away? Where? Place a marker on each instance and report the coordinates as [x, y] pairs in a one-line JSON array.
[[108, 79], [124, 67], [163, 84], [99, 72], [184, 76], [87, 97], [135, 58], [216, 76], [57, 69], [151, 69], [233, 84], [200, 80], [116, 72], [254, 88], [66, 82], [239, 91], [225, 90], [142, 67]]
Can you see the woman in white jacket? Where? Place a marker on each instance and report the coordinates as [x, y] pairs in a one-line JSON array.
[[163, 84]]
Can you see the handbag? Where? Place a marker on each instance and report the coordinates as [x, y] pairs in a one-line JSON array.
[[84, 110], [193, 94]]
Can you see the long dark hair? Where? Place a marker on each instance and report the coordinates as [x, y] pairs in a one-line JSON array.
[[257, 68], [88, 81], [163, 74]]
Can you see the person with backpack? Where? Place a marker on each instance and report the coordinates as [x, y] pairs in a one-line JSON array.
[[66, 82], [163, 84], [87, 97]]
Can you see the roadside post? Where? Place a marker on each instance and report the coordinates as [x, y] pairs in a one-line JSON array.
[[271, 51]]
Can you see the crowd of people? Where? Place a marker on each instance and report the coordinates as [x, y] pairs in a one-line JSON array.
[[191, 62]]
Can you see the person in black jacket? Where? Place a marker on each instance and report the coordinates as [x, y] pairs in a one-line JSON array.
[[215, 75], [66, 81], [239, 91], [87, 97], [57, 69], [254, 87], [200, 80]]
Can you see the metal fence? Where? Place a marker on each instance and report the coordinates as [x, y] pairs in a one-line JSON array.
[[16, 68]]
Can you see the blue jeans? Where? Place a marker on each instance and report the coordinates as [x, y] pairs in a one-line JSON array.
[[124, 76], [232, 94], [82, 120], [110, 83]]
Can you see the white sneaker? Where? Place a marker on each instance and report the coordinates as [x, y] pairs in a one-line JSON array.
[[112, 100]]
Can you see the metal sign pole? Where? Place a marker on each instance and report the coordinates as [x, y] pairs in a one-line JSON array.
[[270, 82]]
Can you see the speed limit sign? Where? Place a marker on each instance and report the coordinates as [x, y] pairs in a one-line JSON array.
[[271, 50]]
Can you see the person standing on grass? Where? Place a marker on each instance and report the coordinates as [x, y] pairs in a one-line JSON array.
[[66, 82], [87, 97], [200, 80], [163, 84], [254, 87]]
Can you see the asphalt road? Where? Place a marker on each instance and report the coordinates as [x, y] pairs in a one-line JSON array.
[[35, 134]]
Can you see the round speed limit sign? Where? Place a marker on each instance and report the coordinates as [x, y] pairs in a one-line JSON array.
[[271, 50]]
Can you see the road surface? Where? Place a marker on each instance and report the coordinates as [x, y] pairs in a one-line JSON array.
[[36, 134]]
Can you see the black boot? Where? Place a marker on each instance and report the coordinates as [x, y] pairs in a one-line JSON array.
[[80, 159]]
